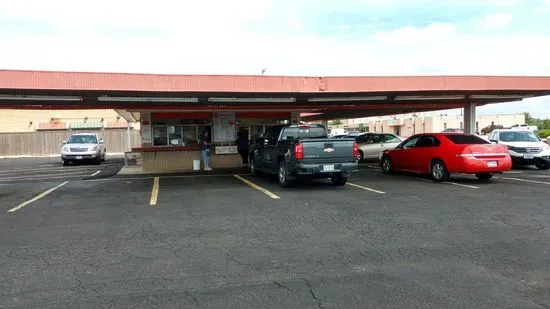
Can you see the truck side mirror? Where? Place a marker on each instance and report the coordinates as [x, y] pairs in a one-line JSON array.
[[64, 142]]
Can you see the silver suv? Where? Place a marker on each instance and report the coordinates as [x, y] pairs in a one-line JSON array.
[[82, 147]]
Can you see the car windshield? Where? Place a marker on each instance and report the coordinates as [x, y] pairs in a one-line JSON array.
[[518, 136], [465, 139], [82, 139]]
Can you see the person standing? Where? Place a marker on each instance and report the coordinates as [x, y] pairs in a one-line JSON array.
[[204, 142], [242, 147]]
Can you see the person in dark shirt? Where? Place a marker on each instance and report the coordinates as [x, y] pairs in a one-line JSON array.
[[204, 142], [242, 147]]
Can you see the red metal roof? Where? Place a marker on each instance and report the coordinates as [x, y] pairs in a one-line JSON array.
[[48, 80]]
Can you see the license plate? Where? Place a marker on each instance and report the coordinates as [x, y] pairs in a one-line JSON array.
[[328, 168], [492, 164], [528, 156], [79, 157]]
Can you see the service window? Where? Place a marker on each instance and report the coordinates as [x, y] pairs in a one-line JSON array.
[[160, 136]]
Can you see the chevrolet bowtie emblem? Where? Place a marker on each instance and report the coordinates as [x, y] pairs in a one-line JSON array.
[[329, 150]]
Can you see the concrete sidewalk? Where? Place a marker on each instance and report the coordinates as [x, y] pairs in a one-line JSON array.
[[138, 170]]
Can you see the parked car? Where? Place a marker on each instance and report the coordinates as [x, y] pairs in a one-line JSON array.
[[350, 135], [372, 144], [451, 130], [82, 147], [523, 146], [490, 128], [542, 160], [294, 151], [440, 154], [524, 127]]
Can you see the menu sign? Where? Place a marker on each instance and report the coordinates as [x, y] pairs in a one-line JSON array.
[[226, 149], [224, 127], [145, 128]]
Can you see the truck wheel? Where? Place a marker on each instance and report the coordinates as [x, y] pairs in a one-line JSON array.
[[338, 179], [252, 166], [439, 171], [283, 176]]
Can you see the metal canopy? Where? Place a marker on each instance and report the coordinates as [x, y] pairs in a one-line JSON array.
[[327, 97]]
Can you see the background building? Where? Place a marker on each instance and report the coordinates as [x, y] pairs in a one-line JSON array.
[[41, 132], [20, 120], [410, 124]]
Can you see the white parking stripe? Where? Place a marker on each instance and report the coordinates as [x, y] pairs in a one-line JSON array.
[[537, 176], [461, 185], [95, 173], [366, 188], [423, 179], [525, 180], [36, 198], [450, 183]]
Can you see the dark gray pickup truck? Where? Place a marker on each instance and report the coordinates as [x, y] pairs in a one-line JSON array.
[[294, 151]]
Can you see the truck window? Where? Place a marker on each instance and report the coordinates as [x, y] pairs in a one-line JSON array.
[[293, 133]]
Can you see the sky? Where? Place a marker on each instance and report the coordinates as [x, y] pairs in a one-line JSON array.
[[287, 37]]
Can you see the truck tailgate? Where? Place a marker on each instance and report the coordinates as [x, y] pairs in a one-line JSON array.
[[328, 150]]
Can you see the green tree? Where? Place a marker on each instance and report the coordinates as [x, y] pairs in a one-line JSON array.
[[336, 122], [530, 120]]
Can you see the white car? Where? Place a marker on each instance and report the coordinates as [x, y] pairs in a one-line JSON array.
[[81, 147], [524, 146], [372, 144]]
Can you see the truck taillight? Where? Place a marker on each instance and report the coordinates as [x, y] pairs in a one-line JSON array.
[[299, 151], [355, 150]]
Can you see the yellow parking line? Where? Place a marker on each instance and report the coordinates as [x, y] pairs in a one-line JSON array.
[[154, 192], [255, 186], [366, 188], [36, 198]]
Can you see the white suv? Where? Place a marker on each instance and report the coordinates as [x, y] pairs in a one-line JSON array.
[[524, 146], [82, 147]]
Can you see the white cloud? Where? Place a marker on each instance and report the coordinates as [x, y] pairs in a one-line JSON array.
[[544, 7], [212, 37], [496, 21]]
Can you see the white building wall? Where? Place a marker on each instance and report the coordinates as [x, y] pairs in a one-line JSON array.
[[428, 122]]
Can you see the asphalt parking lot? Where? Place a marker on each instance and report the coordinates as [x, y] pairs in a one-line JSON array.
[[235, 241]]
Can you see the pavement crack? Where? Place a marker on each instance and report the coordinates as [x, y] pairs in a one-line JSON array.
[[189, 295], [282, 286], [313, 294], [231, 258]]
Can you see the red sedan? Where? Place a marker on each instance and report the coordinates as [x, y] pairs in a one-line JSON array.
[[440, 154]]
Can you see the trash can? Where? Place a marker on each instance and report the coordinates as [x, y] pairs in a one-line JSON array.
[[196, 165]]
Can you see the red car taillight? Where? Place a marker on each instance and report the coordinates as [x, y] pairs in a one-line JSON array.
[[299, 151], [355, 150]]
